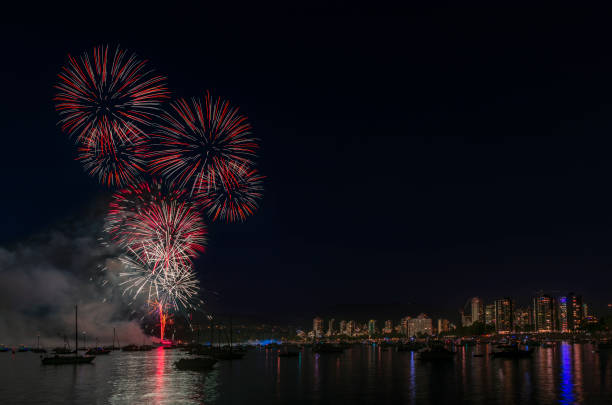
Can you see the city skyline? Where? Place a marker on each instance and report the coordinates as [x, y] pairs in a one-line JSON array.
[[545, 313]]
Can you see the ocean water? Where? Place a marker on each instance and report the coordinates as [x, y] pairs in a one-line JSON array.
[[564, 374]]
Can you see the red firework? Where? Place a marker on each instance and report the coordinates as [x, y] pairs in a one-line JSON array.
[[104, 100], [157, 222], [199, 144], [119, 166], [236, 197]]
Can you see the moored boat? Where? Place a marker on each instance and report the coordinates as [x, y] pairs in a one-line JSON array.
[[512, 352], [97, 351], [76, 359]]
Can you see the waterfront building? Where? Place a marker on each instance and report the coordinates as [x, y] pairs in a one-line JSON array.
[[350, 328], [504, 317], [575, 311], [404, 325], [343, 328], [466, 320], [544, 311], [422, 324], [317, 327], [521, 319], [388, 326], [476, 310], [330, 329], [371, 327], [490, 314], [562, 313], [443, 325]]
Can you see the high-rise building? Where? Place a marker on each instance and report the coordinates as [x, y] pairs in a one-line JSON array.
[[404, 325], [317, 327], [490, 314], [575, 311], [466, 320], [562, 314], [422, 324], [521, 319], [350, 328], [388, 326], [343, 327], [476, 310], [543, 313], [330, 329], [371, 327], [443, 325], [504, 322]]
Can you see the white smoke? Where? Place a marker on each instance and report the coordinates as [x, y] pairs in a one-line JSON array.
[[41, 280]]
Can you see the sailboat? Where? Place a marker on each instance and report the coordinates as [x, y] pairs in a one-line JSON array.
[[38, 348], [76, 359], [113, 347]]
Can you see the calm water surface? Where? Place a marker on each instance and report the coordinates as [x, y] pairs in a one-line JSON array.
[[564, 374]]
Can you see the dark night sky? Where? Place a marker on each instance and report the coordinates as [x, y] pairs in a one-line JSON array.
[[414, 159]]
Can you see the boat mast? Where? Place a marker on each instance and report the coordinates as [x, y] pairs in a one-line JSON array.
[[230, 334], [212, 331], [76, 332]]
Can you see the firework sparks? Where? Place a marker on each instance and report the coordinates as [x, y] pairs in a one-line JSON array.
[[157, 222], [201, 143], [119, 166], [105, 99], [234, 198], [175, 287]]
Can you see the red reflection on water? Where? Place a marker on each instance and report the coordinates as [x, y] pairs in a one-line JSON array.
[[160, 363]]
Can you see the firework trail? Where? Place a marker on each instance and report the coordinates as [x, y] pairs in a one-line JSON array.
[[199, 143], [157, 222], [232, 200], [165, 289]]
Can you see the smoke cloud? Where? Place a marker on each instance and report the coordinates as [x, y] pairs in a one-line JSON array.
[[43, 278]]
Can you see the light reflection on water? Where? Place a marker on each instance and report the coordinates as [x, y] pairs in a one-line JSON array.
[[563, 374], [567, 386]]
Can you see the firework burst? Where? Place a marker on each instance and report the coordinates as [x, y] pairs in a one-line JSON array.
[[201, 143], [103, 99], [156, 222], [173, 287], [119, 166], [234, 197]]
